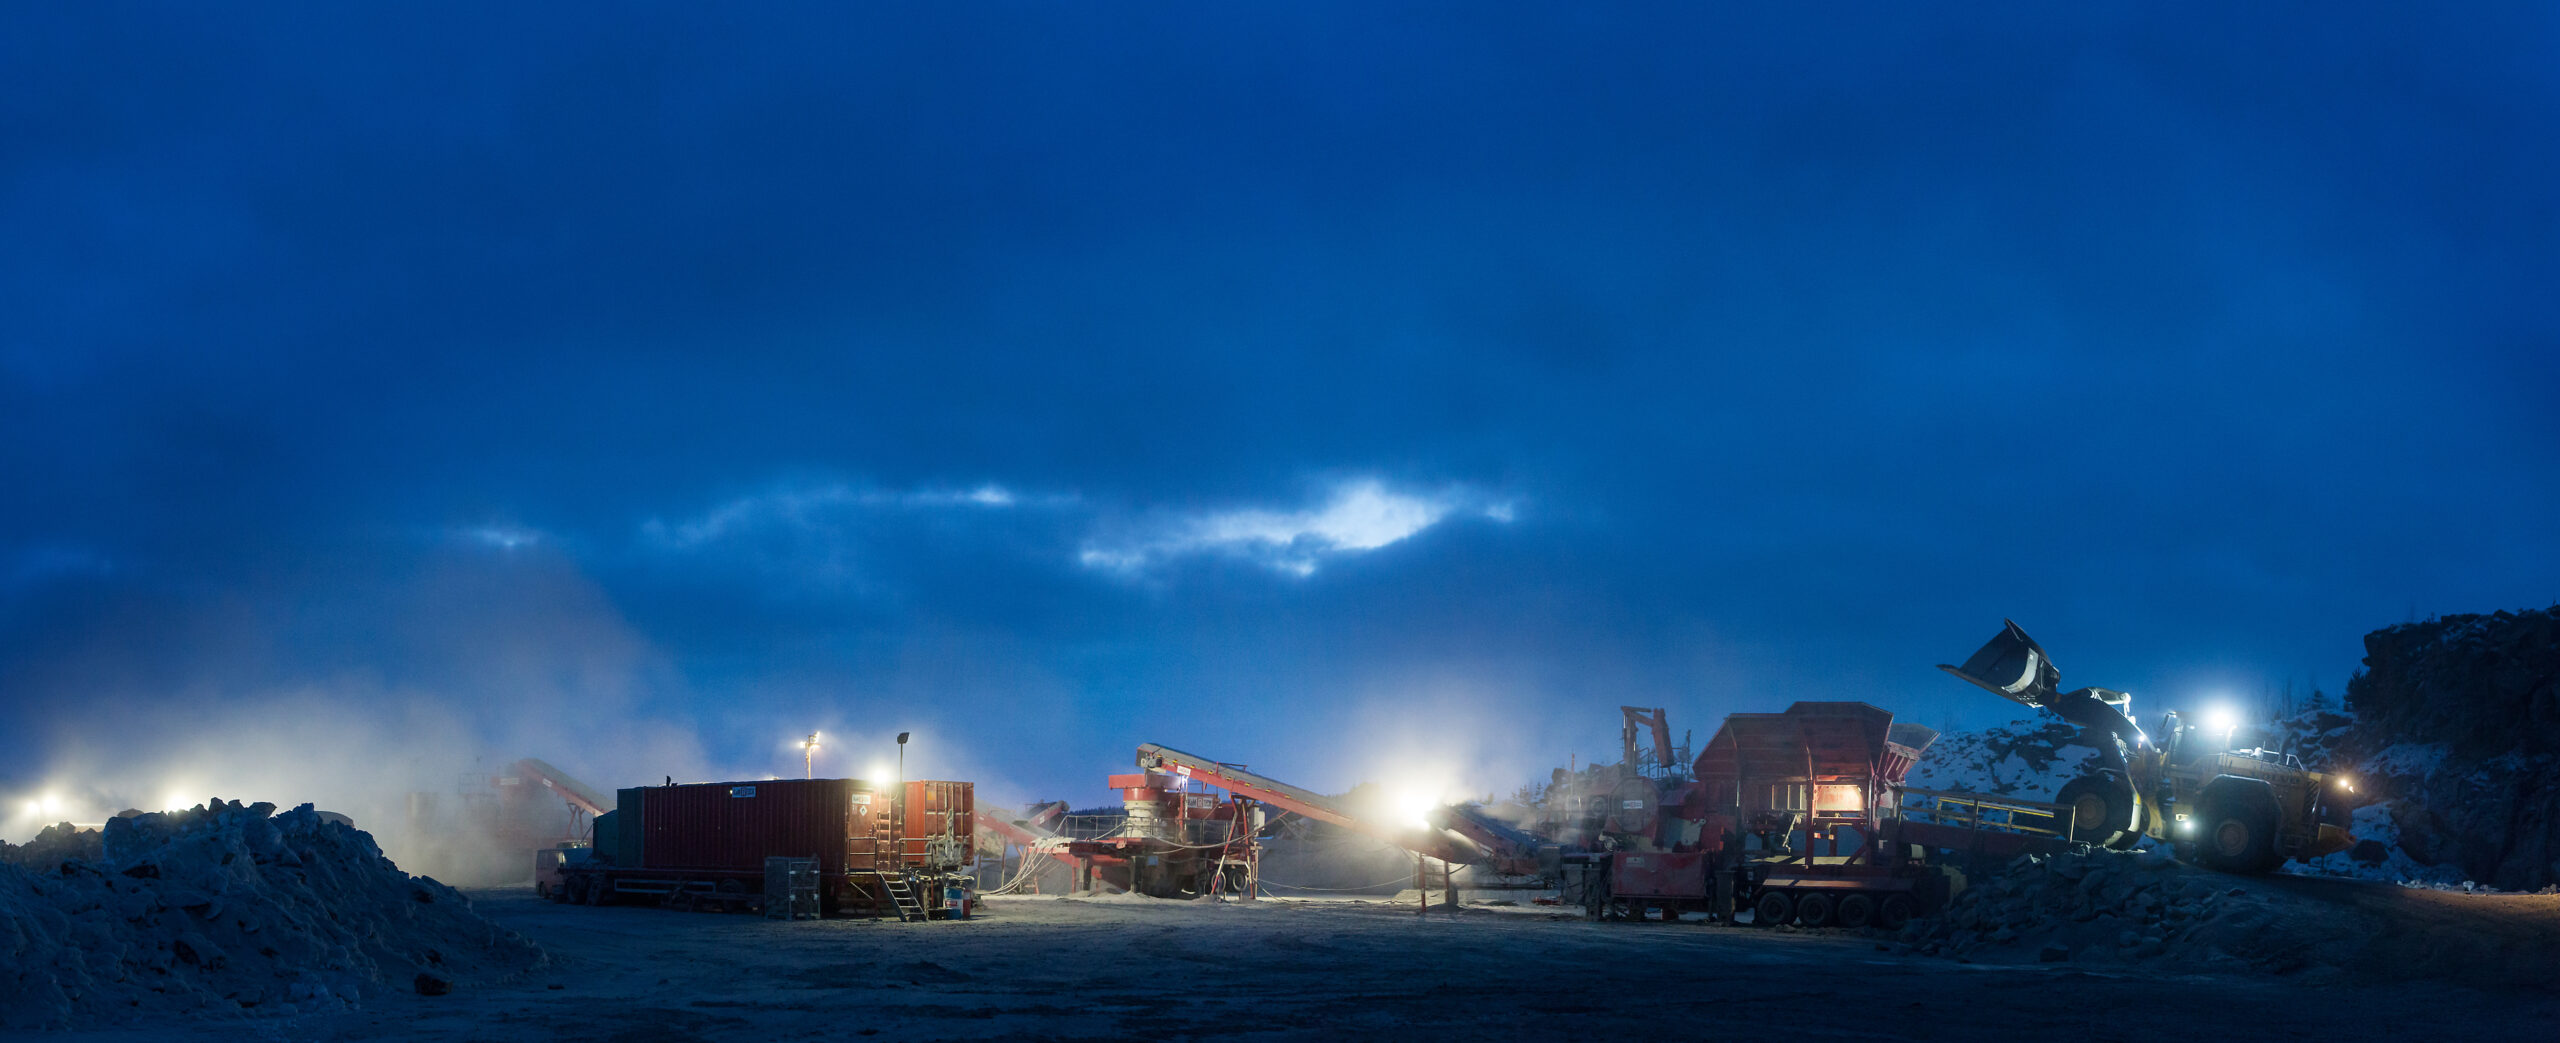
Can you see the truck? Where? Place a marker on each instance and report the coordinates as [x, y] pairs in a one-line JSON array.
[[2236, 810], [902, 849]]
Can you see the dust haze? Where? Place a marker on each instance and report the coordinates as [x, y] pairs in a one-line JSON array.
[[498, 657]]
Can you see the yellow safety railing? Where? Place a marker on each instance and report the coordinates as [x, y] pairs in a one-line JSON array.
[[1975, 810]]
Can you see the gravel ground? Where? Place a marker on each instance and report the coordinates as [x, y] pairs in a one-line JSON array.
[[1284, 970]]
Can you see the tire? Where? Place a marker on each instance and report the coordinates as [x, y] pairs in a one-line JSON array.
[[733, 895], [2239, 837], [1895, 911], [1773, 908], [2102, 812], [574, 891], [1595, 893], [1857, 909], [1815, 909]]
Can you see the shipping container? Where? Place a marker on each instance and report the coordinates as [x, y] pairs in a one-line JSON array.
[[707, 844], [737, 825]]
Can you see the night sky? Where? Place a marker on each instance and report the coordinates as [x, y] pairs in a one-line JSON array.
[[1357, 391]]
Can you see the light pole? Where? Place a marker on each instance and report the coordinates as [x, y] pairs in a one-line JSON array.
[[898, 792], [808, 756]]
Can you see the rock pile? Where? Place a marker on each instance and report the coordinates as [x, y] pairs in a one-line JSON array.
[[2028, 758], [58, 843], [2098, 907], [227, 909]]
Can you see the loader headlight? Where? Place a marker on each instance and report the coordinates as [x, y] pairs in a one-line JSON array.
[[2346, 784]]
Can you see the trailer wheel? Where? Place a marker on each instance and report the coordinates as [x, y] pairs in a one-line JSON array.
[[1895, 911], [733, 895], [1814, 910], [596, 891], [1773, 908], [1857, 909], [574, 890]]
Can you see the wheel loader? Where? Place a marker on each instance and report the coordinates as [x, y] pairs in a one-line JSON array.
[[2236, 810]]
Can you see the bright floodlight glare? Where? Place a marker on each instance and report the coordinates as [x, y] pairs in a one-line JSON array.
[[1415, 805], [52, 804], [35, 807], [2221, 719]]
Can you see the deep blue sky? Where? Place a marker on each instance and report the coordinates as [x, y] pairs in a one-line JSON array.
[[1306, 385]]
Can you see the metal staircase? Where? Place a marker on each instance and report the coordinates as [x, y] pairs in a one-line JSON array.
[[903, 897]]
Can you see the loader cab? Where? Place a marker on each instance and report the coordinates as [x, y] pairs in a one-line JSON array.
[[2179, 744]]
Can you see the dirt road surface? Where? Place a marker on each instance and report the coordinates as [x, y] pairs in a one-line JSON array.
[[1120, 969]]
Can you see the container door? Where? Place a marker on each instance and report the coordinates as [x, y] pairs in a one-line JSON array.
[[865, 839]]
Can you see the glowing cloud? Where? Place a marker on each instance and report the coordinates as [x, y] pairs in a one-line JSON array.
[[1359, 516]]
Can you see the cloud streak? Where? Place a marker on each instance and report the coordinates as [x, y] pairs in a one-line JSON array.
[[819, 506]]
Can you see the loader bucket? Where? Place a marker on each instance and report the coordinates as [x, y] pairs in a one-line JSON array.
[[2012, 666]]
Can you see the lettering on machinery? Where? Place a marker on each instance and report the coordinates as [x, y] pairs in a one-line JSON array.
[[742, 791]]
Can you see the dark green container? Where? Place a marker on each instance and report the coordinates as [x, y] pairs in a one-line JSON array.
[[602, 845], [629, 826]]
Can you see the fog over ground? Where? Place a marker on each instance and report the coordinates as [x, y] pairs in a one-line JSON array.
[[1351, 393]]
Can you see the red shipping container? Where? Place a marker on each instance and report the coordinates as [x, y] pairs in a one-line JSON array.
[[736, 825]]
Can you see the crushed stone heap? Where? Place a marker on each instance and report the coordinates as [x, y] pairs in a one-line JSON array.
[[2097, 907], [230, 909]]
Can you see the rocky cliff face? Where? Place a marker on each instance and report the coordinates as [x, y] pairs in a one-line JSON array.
[[2457, 739]]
